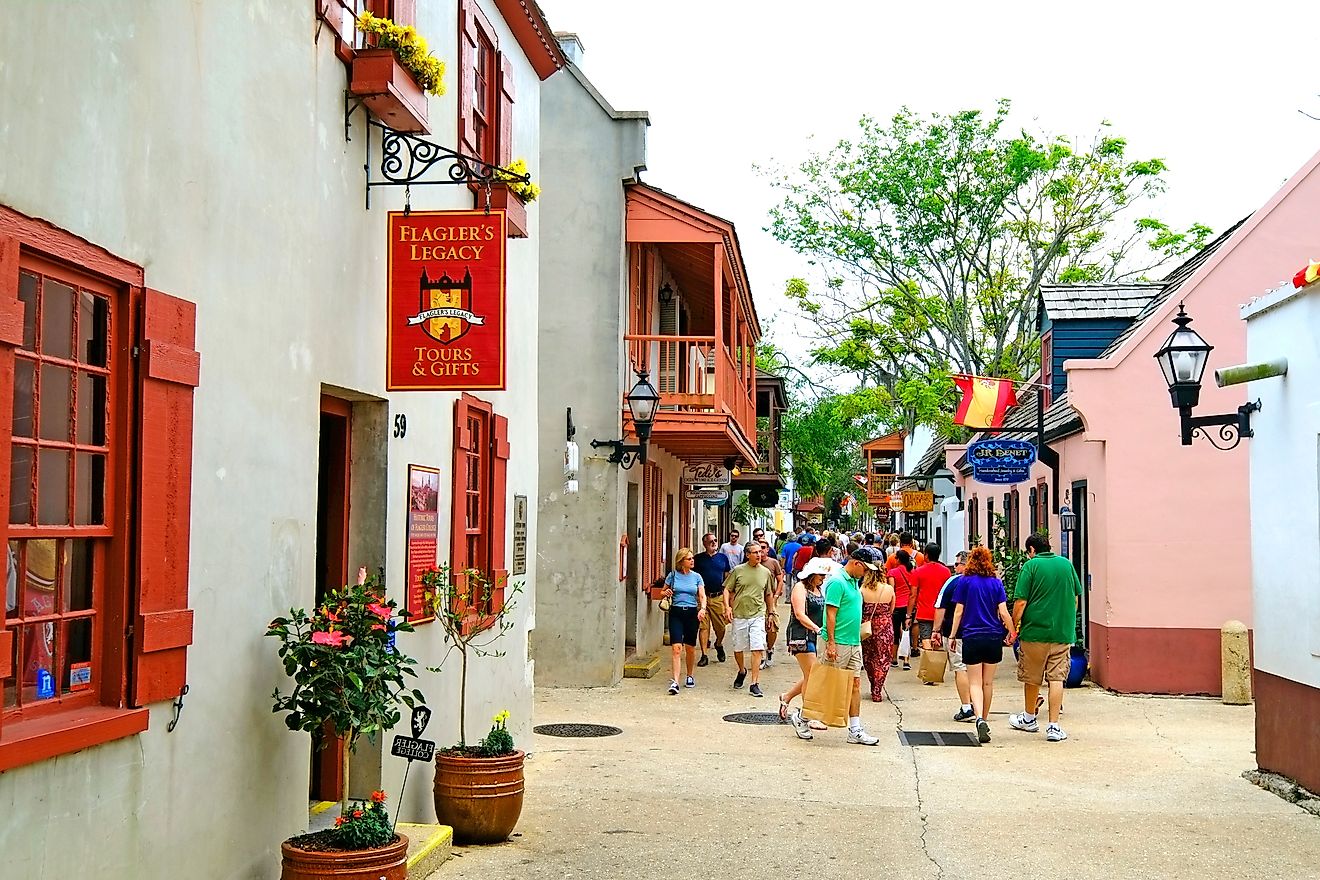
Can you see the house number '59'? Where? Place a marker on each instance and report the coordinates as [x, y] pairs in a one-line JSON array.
[[400, 425]]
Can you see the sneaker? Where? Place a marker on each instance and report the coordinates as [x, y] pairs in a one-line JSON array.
[[965, 715], [704, 661], [673, 689], [755, 690], [800, 726], [767, 663], [861, 737], [1054, 733], [738, 681], [719, 653], [907, 666], [982, 730], [691, 682], [1022, 722]]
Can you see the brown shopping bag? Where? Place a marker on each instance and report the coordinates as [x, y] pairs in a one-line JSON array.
[[933, 664], [829, 691]]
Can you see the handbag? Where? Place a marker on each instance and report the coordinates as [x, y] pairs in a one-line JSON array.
[[866, 629], [665, 603], [828, 693]]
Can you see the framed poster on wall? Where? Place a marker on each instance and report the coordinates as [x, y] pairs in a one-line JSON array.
[[423, 536]]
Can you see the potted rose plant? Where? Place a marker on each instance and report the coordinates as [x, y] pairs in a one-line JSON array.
[[349, 681], [478, 788]]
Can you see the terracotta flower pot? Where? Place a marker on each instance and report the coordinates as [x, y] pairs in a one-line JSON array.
[[388, 862], [515, 209], [480, 798]]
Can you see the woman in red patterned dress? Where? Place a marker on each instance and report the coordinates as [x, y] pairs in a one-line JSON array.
[[878, 649]]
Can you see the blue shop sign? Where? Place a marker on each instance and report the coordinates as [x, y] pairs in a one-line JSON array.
[[1001, 461]]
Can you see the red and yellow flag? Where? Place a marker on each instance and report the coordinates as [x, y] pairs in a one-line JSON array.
[[1308, 275], [984, 401]]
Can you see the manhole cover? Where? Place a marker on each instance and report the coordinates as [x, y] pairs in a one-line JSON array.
[[577, 730], [754, 718], [937, 738]]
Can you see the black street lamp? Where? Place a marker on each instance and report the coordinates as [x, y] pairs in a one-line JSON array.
[[1183, 360], [642, 402]]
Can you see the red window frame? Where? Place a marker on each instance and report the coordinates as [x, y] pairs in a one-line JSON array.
[[479, 519], [1043, 499], [485, 89], [653, 553], [1047, 365]]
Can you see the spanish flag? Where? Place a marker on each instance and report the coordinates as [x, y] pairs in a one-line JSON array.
[[984, 401], [1308, 275]]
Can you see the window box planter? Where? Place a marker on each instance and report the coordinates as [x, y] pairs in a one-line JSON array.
[[515, 211], [389, 91]]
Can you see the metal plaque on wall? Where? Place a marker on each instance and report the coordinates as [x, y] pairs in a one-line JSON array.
[[520, 534]]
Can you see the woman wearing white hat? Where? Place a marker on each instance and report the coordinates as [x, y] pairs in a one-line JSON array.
[[808, 617]]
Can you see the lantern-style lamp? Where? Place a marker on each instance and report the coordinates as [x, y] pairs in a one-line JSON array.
[[643, 400], [1183, 359]]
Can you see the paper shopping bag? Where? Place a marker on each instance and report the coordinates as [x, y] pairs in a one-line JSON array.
[[932, 666], [828, 693]]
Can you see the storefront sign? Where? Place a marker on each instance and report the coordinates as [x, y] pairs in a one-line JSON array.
[[423, 534], [711, 496], [706, 473], [1001, 461], [918, 502], [446, 301], [896, 501], [520, 534]]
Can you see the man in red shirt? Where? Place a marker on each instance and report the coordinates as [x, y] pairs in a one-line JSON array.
[[927, 580]]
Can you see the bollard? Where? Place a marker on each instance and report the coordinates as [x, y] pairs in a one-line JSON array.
[[1235, 664]]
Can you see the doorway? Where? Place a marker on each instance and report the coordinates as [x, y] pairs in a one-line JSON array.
[[332, 504], [630, 583], [1081, 559]]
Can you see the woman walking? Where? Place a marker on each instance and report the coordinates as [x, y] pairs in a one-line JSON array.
[[981, 620], [878, 610], [804, 625], [900, 570], [687, 594]]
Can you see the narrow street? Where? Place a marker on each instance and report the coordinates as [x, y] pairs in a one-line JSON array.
[[1144, 787]]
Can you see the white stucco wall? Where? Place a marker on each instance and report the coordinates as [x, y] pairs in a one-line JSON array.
[[205, 142], [1285, 489]]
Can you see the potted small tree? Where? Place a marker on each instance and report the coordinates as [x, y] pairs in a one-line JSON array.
[[349, 682], [478, 788]]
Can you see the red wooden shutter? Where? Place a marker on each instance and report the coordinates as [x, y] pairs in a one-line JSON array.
[[404, 12], [504, 114], [11, 336], [467, 50], [458, 560], [499, 484], [168, 372]]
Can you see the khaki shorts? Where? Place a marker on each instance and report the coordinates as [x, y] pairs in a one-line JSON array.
[[1043, 662], [850, 657], [955, 657]]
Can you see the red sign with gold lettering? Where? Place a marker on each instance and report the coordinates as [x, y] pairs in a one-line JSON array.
[[446, 301]]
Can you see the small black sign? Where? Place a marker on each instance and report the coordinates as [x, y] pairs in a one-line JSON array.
[[412, 748], [421, 716]]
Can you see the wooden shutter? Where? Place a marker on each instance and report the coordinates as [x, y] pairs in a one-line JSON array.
[[404, 12], [504, 113], [467, 53], [169, 369], [499, 484], [1035, 510], [462, 445], [11, 336]]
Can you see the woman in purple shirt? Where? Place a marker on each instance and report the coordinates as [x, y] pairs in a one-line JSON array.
[[981, 620]]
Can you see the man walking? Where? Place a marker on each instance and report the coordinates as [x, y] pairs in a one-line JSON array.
[[732, 549], [944, 635], [927, 580], [842, 636], [772, 607], [749, 587], [787, 554], [1045, 618], [713, 566]]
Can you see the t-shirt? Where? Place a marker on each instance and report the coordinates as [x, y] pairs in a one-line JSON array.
[[927, 580], [788, 553], [734, 552], [750, 584], [946, 601], [685, 588], [918, 558], [844, 592], [902, 585], [980, 596], [1049, 584], [803, 557], [776, 568], [713, 568]]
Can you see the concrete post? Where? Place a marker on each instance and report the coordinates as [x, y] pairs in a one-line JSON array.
[[1235, 663]]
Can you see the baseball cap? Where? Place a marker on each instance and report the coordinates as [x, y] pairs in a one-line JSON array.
[[866, 556]]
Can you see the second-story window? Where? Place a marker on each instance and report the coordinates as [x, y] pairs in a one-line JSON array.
[[485, 89]]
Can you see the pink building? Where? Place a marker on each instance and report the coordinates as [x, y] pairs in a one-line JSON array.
[[1162, 530]]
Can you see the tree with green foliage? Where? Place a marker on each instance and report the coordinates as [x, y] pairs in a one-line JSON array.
[[934, 234]]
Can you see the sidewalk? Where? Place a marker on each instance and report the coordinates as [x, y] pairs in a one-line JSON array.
[[1144, 787]]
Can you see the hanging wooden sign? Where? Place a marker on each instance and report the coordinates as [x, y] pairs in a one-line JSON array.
[[446, 292]]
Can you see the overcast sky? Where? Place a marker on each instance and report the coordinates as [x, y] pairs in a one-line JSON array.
[[730, 84]]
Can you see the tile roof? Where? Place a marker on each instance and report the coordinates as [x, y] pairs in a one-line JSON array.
[[1061, 420], [1069, 301], [933, 458]]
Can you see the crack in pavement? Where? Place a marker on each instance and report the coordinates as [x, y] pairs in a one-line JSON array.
[[1173, 745], [916, 773]]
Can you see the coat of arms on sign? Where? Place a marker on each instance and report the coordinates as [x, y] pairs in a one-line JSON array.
[[446, 307]]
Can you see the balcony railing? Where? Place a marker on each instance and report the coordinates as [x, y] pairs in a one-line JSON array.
[[695, 374]]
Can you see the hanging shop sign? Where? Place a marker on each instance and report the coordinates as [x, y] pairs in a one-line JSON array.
[[423, 536], [1001, 461], [446, 301], [710, 496], [918, 502], [706, 473]]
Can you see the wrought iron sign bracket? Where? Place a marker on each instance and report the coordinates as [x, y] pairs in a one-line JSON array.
[[409, 160], [624, 454], [1232, 426]]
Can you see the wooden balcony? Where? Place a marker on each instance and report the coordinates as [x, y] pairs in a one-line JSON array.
[[881, 457]]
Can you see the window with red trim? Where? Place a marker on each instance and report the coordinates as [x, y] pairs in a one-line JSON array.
[[1013, 505], [1047, 365], [485, 89], [1034, 504], [1043, 496], [654, 565], [481, 455]]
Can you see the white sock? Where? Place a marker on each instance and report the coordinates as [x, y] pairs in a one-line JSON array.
[[854, 722], [1026, 717], [967, 707]]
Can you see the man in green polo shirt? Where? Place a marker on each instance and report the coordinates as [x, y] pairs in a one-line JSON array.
[[842, 635], [1045, 617]]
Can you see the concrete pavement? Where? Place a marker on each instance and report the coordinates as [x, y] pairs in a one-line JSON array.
[[1144, 787]]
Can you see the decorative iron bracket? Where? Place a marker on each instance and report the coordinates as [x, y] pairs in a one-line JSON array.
[[408, 159], [623, 453], [1232, 426]]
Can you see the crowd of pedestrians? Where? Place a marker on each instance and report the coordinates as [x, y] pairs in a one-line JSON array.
[[868, 604]]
